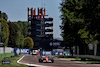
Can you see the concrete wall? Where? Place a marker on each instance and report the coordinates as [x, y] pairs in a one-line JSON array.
[[7, 50], [1, 50]]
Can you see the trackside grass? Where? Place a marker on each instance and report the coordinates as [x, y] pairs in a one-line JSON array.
[[6, 55], [88, 61], [13, 61]]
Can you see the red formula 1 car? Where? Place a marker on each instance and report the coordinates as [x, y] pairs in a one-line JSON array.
[[46, 59]]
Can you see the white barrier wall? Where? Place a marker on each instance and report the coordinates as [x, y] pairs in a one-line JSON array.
[[1, 50], [7, 49]]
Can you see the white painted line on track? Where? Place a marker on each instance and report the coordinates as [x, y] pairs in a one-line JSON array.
[[30, 64], [73, 61], [79, 62], [20, 59], [97, 64]]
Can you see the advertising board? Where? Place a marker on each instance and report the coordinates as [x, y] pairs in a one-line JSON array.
[[52, 53], [22, 51]]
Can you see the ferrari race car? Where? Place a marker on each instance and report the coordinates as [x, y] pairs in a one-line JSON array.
[[46, 59]]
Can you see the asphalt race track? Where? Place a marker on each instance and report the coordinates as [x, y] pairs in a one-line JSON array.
[[33, 59]]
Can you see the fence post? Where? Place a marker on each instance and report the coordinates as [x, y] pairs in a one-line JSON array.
[[77, 50], [95, 49]]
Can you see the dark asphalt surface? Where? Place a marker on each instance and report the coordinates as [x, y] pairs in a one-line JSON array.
[[33, 59]]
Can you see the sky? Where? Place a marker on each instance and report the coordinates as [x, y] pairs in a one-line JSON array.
[[17, 10]]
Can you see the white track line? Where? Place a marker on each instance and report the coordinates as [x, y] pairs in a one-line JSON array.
[[79, 62], [30, 64]]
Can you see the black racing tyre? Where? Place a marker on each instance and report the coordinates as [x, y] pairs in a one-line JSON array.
[[39, 60], [52, 61]]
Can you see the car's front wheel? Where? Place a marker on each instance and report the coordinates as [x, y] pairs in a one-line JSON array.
[[40, 61]]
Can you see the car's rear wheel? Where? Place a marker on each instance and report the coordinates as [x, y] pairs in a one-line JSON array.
[[52, 61]]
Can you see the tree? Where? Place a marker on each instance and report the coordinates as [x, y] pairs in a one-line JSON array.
[[3, 15], [24, 27], [16, 38], [72, 20], [28, 42], [80, 21], [91, 28], [4, 33]]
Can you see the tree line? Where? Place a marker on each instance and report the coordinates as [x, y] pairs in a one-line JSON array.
[[80, 21], [14, 34]]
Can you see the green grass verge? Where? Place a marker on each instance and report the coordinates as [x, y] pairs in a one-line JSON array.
[[6, 55], [13, 63], [88, 61], [64, 56]]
